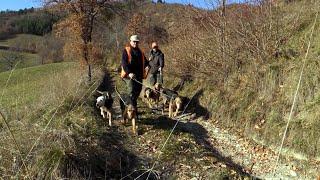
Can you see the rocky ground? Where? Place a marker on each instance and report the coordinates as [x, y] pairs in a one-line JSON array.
[[259, 160], [199, 149]]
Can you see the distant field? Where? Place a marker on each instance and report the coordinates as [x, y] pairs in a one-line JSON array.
[[20, 41], [26, 59], [21, 38], [28, 86]]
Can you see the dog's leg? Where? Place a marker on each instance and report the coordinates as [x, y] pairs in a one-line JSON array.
[[149, 103], [164, 102], [102, 113], [176, 112], [124, 116], [110, 118], [134, 125], [170, 109], [124, 120], [157, 103]]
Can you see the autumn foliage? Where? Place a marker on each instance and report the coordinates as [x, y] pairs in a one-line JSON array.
[[78, 27]]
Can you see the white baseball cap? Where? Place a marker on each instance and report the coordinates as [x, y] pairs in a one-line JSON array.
[[134, 38]]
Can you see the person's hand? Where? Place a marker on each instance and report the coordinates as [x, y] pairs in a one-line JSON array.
[[160, 69], [131, 75]]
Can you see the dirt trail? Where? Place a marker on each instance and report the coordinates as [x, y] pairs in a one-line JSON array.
[[200, 148], [257, 159]]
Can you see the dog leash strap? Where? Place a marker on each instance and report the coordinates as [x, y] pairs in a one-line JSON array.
[[117, 92], [151, 88]]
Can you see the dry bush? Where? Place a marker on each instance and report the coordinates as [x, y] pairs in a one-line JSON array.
[[250, 59], [136, 24], [50, 49], [251, 72]]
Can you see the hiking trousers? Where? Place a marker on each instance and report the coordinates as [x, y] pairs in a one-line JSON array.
[[155, 78]]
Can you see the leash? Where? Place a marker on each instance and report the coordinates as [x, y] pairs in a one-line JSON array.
[[295, 95], [170, 97], [149, 171], [119, 95], [161, 76], [171, 132]]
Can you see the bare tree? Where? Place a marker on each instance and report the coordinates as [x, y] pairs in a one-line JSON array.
[[11, 58], [80, 22]]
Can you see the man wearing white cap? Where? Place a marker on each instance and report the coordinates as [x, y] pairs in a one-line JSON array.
[[134, 68]]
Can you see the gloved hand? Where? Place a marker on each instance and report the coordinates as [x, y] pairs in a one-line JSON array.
[[131, 75]]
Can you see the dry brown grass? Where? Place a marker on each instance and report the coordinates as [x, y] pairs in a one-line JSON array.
[[38, 125]]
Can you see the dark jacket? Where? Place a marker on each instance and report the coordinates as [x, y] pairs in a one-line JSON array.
[[156, 60], [135, 66]]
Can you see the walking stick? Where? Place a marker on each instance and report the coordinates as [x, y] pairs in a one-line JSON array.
[[161, 76]]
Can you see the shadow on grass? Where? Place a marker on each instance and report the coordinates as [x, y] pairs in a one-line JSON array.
[[4, 36], [101, 158], [195, 106], [101, 152], [183, 80], [107, 82], [200, 135]]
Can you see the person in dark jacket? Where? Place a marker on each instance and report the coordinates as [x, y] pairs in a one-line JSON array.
[[156, 62], [134, 68]]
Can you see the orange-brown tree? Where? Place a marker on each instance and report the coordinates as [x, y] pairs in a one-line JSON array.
[[79, 25], [136, 24]]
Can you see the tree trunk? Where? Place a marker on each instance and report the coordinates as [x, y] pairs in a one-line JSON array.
[[86, 58], [89, 73], [223, 37]]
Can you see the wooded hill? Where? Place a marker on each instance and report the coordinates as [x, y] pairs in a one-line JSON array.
[[243, 61]]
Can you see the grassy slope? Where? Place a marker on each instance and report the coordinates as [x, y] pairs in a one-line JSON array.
[[49, 103], [46, 109], [303, 136], [30, 84], [262, 114], [21, 38], [25, 59]]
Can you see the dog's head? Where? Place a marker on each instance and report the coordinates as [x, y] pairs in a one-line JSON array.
[[101, 100], [157, 86], [178, 101], [131, 111], [147, 92]]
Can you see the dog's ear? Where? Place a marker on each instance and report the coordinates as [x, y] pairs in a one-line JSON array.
[[100, 92], [108, 95]]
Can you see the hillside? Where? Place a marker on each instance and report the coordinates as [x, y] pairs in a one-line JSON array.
[[61, 134], [251, 90], [240, 72]]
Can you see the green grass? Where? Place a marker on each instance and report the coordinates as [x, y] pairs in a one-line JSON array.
[[24, 41], [28, 85], [21, 39], [38, 104], [24, 59]]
